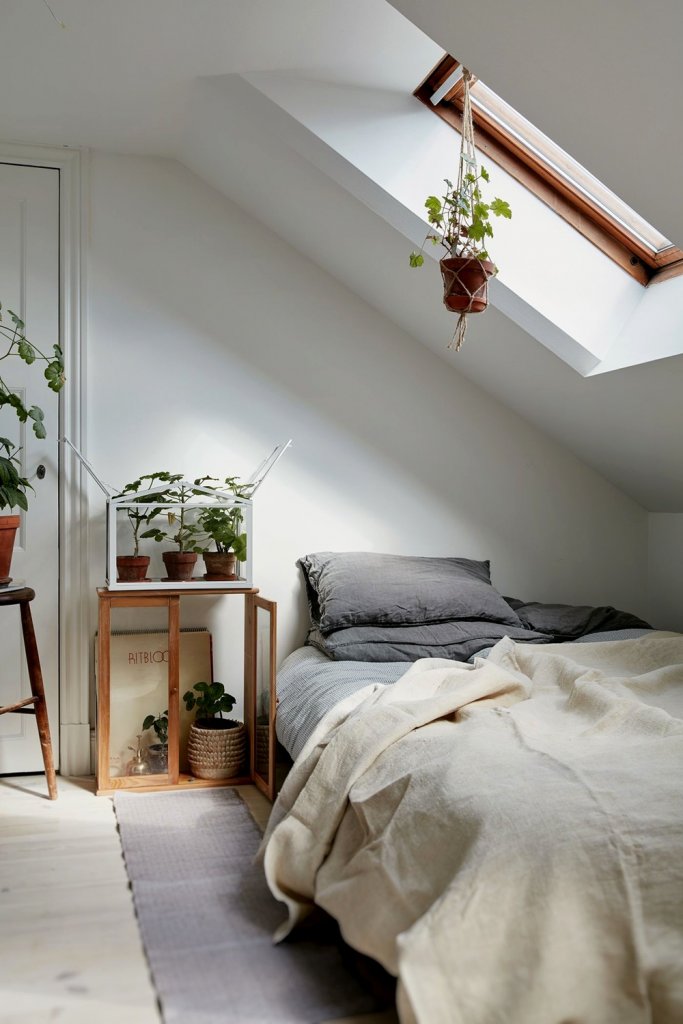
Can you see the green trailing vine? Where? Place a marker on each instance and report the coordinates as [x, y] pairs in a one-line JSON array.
[[18, 345]]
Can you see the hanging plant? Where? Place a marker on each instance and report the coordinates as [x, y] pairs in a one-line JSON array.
[[462, 218]]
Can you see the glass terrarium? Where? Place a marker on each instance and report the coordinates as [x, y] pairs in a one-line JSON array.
[[172, 537], [171, 533]]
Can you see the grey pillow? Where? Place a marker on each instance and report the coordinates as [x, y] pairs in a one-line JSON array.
[[355, 588], [457, 641]]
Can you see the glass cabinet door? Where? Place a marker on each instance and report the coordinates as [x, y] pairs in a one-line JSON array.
[[263, 695]]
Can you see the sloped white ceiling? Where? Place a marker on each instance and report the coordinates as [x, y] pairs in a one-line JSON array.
[[603, 78], [118, 75], [626, 424]]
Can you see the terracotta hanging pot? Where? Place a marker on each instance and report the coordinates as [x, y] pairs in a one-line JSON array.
[[8, 528], [179, 564], [220, 565], [132, 568], [465, 283]]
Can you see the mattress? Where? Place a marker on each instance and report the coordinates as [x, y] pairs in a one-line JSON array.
[[309, 684], [505, 838]]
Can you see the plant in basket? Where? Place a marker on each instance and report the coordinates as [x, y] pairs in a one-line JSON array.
[[157, 752], [216, 746], [462, 218]]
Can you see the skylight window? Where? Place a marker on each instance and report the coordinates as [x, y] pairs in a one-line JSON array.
[[552, 174]]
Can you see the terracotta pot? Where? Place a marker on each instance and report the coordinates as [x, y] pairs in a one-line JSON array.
[[220, 565], [179, 564], [465, 283], [8, 527], [217, 748], [132, 568]]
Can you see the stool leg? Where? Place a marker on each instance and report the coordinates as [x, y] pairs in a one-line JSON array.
[[37, 689]]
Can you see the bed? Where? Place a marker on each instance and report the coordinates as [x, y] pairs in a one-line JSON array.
[[502, 832]]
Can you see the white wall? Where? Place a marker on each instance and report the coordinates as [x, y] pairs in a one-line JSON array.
[[665, 576], [210, 339]]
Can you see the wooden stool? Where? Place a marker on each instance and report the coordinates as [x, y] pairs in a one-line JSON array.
[[22, 598]]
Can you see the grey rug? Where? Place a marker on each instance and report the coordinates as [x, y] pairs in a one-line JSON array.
[[206, 918]]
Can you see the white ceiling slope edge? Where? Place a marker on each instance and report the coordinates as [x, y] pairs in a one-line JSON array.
[[626, 424]]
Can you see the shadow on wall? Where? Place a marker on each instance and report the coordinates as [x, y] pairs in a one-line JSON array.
[[210, 335]]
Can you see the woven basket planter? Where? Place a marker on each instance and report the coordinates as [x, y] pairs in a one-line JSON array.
[[216, 748]]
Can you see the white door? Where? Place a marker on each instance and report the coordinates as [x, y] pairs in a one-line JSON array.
[[29, 285]]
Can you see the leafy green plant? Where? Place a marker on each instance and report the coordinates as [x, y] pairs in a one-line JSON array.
[[183, 531], [160, 726], [142, 514], [217, 524], [222, 526], [19, 345], [462, 217], [208, 700], [13, 486]]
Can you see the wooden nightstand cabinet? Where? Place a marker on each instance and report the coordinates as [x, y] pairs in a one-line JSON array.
[[260, 632]]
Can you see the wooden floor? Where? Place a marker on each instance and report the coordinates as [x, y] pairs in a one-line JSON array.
[[70, 951]]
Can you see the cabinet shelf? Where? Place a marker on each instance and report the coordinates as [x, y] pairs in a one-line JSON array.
[[260, 627]]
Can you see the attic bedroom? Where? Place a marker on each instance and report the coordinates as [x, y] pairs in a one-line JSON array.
[[341, 620]]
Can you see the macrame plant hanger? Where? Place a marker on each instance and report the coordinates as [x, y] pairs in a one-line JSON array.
[[460, 222], [467, 165]]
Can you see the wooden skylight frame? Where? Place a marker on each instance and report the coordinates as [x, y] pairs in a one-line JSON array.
[[524, 159]]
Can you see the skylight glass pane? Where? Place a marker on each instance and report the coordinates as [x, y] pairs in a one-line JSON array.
[[534, 141]]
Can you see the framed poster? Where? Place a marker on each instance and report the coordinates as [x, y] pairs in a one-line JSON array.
[[139, 687]]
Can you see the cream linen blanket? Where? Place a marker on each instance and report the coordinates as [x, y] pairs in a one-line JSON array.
[[506, 838]]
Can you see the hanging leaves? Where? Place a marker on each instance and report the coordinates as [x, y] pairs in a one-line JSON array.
[[19, 345]]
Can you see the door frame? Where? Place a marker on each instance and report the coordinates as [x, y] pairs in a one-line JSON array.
[[74, 604]]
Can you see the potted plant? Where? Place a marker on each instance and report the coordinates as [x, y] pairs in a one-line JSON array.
[[222, 526], [216, 746], [133, 568], [157, 752], [463, 221], [462, 218], [184, 531], [13, 489]]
